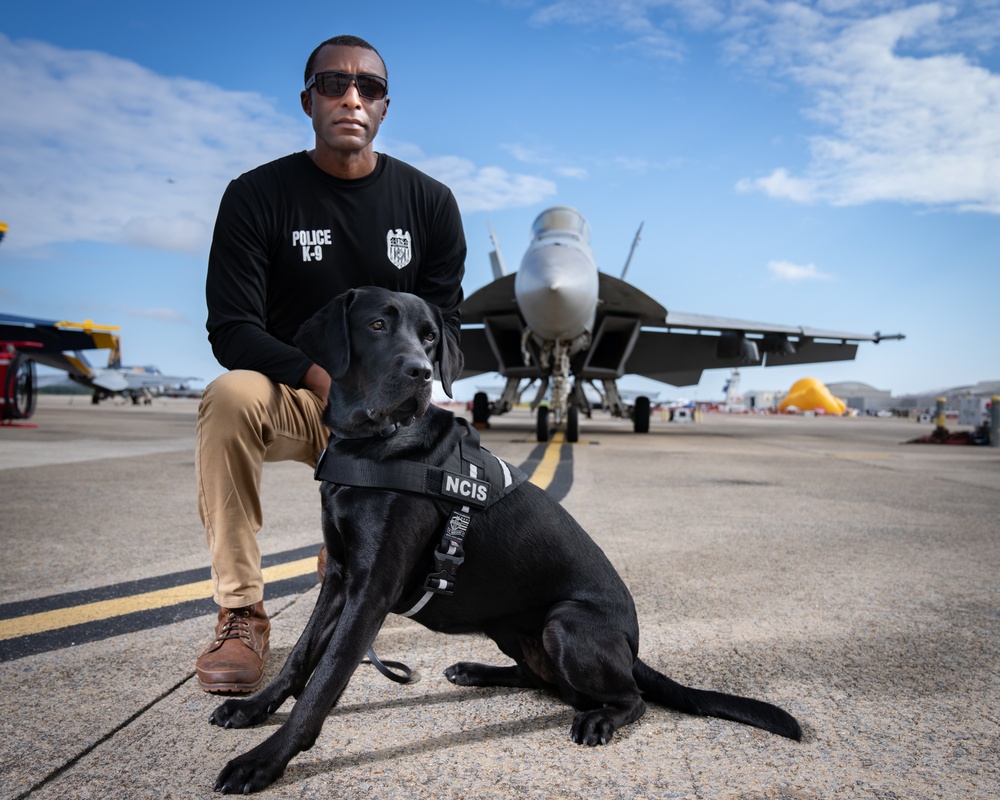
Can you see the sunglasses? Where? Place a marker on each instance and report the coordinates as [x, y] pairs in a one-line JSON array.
[[336, 84]]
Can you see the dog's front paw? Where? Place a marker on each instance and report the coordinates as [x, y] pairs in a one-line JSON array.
[[249, 773], [592, 728], [237, 713]]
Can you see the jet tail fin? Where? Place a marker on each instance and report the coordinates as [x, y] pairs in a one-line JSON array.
[[115, 355], [496, 257], [631, 251]]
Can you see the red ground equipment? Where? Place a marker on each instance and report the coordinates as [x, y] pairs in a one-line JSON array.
[[17, 382]]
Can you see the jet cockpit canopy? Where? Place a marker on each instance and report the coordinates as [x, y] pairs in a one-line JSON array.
[[561, 220]]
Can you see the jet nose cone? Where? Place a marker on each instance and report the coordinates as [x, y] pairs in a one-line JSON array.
[[556, 290]]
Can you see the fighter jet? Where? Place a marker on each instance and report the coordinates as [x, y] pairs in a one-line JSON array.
[[560, 324]]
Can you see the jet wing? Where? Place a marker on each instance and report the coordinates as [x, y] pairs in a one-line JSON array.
[[110, 381], [700, 322], [136, 379], [493, 299], [618, 297], [683, 345], [49, 334], [490, 315], [635, 335]]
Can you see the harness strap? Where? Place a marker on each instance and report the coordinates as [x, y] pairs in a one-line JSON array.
[[466, 483], [404, 476], [412, 476]]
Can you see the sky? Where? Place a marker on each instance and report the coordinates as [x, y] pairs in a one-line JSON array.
[[832, 163]]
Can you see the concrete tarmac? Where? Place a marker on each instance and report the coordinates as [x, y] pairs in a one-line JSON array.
[[820, 564]]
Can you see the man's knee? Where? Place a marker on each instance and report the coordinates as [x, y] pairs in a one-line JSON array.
[[236, 394], [248, 410]]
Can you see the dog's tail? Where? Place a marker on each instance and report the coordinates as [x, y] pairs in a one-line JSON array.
[[660, 689]]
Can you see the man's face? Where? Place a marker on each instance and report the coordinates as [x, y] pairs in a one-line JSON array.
[[345, 125]]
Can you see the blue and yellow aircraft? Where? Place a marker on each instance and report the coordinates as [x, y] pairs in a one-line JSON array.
[[61, 345]]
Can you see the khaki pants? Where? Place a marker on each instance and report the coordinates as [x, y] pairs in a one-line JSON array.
[[244, 420]]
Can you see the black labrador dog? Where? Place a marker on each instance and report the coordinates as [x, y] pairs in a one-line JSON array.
[[532, 579]]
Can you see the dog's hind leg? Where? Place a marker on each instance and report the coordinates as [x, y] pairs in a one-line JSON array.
[[592, 661], [532, 669], [466, 673]]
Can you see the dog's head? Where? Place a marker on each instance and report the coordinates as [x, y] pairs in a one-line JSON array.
[[380, 349]]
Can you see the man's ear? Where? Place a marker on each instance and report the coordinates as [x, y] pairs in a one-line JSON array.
[[448, 355], [325, 338], [306, 98]]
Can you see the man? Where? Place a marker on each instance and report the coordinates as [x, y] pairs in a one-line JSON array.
[[290, 236]]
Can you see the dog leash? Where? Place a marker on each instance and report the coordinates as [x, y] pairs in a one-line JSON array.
[[405, 674]]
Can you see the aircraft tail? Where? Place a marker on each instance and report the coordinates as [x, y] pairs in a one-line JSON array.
[[496, 257], [631, 251], [115, 354], [660, 689]]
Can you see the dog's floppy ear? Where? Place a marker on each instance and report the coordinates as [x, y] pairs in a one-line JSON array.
[[448, 355], [325, 338]]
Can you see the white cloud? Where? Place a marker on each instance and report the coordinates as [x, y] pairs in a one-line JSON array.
[[902, 128], [787, 271], [526, 155], [540, 158], [479, 188], [646, 23], [485, 188], [904, 112], [98, 148], [780, 184]]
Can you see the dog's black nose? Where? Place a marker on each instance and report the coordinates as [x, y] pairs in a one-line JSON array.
[[418, 369]]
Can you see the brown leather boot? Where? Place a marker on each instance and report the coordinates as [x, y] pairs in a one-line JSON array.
[[234, 661], [321, 563]]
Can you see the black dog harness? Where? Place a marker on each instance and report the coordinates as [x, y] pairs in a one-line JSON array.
[[471, 479]]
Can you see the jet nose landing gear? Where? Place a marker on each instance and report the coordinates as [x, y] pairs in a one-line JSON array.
[[543, 431]]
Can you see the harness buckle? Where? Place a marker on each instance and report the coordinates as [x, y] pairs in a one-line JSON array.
[[439, 585], [442, 581]]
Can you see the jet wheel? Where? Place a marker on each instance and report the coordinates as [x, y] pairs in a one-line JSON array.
[[542, 426], [480, 408], [640, 415], [573, 424], [19, 389]]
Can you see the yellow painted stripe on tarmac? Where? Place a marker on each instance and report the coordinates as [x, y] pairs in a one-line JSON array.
[[162, 598], [106, 609], [546, 470]]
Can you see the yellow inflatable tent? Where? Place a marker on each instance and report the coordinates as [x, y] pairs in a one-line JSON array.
[[810, 394]]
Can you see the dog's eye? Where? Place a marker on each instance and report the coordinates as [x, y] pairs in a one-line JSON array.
[[430, 337], [378, 325]]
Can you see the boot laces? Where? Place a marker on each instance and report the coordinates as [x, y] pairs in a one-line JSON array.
[[236, 626]]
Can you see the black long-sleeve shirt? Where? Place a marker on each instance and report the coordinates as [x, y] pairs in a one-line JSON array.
[[289, 237]]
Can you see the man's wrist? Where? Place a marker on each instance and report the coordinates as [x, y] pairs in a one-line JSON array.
[[317, 380]]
